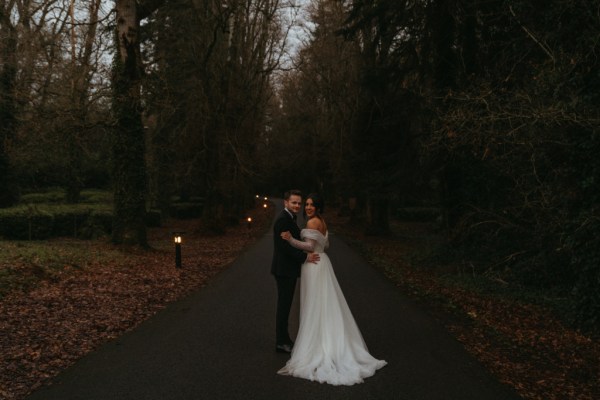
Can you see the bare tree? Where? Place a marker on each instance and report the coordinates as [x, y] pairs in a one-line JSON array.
[[53, 46], [212, 68], [80, 72], [316, 105], [129, 170]]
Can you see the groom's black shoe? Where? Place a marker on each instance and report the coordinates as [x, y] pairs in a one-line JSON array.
[[283, 348]]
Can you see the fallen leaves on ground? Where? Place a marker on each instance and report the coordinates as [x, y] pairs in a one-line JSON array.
[[525, 346], [47, 327]]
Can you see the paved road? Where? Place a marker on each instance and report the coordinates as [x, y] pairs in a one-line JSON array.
[[219, 344]]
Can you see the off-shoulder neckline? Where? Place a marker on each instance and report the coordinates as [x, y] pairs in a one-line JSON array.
[[316, 230]]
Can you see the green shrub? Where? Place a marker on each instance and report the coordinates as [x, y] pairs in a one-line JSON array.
[[25, 223], [96, 196], [51, 220], [57, 195], [46, 216], [50, 196]]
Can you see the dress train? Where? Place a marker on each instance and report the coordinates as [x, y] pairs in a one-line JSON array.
[[329, 347]]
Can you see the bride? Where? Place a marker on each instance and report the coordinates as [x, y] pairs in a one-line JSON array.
[[329, 347]]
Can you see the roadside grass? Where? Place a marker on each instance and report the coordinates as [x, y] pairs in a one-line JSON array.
[[23, 264]]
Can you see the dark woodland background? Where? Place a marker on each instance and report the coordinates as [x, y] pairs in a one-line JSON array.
[[482, 114]]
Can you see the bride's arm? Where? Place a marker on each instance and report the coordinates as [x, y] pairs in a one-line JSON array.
[[308, 245]]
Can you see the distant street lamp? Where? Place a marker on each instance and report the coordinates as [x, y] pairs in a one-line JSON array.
[[177, 238]]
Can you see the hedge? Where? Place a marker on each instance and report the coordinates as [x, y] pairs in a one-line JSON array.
[[45, 221]]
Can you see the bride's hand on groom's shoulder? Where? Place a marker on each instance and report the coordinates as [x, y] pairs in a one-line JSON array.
[[286, 235]]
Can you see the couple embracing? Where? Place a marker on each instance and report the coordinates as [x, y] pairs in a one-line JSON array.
[[329, 347]]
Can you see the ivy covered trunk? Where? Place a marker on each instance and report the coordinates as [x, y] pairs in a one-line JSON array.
[[129, 170]]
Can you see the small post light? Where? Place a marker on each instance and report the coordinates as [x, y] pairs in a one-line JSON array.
[[249, 223], [177, 238], [265, 206]]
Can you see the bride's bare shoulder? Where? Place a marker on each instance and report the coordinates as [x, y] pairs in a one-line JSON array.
[[314, 223], [317, 224]]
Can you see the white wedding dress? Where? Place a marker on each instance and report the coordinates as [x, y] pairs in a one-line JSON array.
[[329, 347]]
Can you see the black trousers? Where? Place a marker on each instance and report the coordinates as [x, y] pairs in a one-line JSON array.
[[285, 295]]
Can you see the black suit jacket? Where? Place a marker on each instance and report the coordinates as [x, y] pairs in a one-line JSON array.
[[286, 258]]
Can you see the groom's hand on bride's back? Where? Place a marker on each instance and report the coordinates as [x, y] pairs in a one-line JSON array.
[[286, 235]]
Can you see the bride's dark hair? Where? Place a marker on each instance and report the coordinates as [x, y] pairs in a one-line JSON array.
[[317, 201]]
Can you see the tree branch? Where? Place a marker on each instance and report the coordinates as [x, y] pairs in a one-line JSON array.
[[147, 7], [542, 45]]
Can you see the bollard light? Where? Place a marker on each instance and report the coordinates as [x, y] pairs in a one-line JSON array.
[[249, 223], [177, 238]]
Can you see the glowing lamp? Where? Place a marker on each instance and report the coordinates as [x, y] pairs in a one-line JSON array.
[[178, 238]]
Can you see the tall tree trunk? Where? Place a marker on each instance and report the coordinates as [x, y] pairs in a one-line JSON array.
[[8, 75], [129, 170]]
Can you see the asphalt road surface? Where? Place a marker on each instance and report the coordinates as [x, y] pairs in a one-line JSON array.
[[219, 343]]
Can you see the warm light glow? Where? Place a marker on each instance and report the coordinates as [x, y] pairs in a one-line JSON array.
[[257, 196], [249, 219], [265, 198], [177, 239], [265, 205]]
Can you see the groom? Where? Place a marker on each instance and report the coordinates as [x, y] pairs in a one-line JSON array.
[[286, 266]]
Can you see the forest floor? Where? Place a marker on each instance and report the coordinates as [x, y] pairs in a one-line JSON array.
[[62, 298], [524, 344]]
